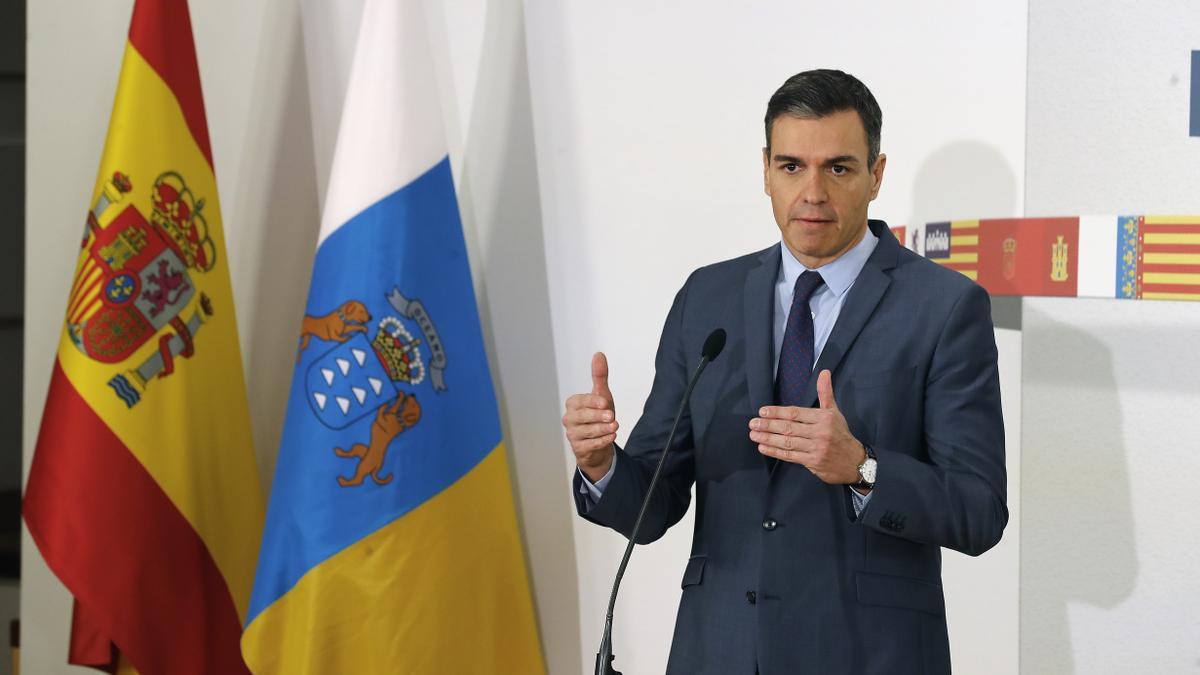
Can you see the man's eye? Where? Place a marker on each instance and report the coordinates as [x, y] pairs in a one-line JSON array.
[[791, 167], [839, 170]]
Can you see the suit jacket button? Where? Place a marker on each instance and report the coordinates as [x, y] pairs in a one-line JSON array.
[[769, 524], [751, 597]]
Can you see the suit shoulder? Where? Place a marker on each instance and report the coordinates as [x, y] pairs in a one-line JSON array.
[[732, 270]]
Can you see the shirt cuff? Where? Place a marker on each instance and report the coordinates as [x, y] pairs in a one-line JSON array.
[[596, 490], [860, 501]]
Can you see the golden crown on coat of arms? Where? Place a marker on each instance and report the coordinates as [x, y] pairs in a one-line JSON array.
[[397, 349], [179, 215]]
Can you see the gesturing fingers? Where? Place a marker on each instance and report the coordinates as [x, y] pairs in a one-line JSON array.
[[589, 445], [778, 452], [575, 416], [785, 442], [812, 428], [593, 401], [792, 414], [791, 433], [579, 432], [779, 426]]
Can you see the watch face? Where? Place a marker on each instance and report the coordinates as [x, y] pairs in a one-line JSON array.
[[867, 470]]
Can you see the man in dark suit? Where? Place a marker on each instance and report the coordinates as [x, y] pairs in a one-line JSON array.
[[819, 517]]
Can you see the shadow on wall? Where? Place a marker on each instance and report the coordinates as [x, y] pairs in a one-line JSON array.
[[967, 180], [278, 202], [502, 201], [1077, 538], [964, 179]]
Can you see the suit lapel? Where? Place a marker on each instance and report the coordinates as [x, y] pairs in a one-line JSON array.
[[758, 307], [865, 294]]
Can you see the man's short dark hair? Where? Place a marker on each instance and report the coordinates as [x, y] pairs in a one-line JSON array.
[[818, 93]]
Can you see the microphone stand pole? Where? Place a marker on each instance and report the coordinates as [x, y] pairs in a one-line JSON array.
[[604, 657]]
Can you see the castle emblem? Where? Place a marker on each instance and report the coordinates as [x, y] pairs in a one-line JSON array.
[[937, 240], [1058, 260], [135, 280]]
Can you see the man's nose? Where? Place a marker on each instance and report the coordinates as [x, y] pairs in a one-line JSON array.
[[812, 190]]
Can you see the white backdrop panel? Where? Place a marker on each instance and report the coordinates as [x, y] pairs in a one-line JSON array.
[[1110, 394]]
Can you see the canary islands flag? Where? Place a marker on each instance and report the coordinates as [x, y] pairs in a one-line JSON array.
[[143, 495], [391, 543]]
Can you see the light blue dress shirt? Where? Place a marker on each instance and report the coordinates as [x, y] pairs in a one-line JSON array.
[[825, 303]]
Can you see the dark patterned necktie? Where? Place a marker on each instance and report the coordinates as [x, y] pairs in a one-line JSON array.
[[796, 352]]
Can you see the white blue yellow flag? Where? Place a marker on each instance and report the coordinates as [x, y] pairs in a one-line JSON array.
[[391, 543]]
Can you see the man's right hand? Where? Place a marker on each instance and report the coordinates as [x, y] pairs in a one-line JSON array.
[[591, 423]]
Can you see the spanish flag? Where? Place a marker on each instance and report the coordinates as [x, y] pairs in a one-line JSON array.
[[392, 543], [143, 496]]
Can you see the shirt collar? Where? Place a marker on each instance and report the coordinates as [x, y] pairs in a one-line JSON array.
[[840, 274]]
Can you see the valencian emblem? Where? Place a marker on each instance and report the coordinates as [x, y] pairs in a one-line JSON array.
[[372, 375], [1128, 255], [136, 280], [1058, 260], [1009, 248]]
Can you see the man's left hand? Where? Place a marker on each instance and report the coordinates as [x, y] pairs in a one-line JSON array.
[[817, 438]]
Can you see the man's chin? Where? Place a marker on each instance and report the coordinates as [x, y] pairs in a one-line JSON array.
[[814, 241], [808, 252]]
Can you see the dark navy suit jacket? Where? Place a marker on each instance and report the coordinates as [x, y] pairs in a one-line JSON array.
[[783, 578]]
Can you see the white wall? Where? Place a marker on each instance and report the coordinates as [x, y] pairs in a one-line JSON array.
[[1110, 390]]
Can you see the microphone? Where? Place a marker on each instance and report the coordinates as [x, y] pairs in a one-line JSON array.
[[713, 345]]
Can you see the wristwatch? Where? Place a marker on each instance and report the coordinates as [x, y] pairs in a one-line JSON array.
[[866, 470]]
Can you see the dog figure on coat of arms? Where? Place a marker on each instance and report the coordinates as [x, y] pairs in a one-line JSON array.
[[336, 326], [390, 421]]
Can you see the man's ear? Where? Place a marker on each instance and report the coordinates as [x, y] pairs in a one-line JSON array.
[[877, 174], [767, 171]]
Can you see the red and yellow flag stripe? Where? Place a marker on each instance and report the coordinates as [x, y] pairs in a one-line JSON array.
[[964, 248], [1169, 260]]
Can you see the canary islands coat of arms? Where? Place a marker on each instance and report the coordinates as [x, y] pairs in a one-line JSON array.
[[364, 375]]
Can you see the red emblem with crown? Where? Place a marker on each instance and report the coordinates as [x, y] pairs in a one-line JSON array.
[[135, 279]]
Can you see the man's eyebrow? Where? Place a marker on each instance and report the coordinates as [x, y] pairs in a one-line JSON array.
[[840, 159]]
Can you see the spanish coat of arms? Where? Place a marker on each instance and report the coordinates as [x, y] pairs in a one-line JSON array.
[[135, 280]]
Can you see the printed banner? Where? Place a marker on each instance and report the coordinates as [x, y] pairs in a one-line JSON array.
[[1126, 257]]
